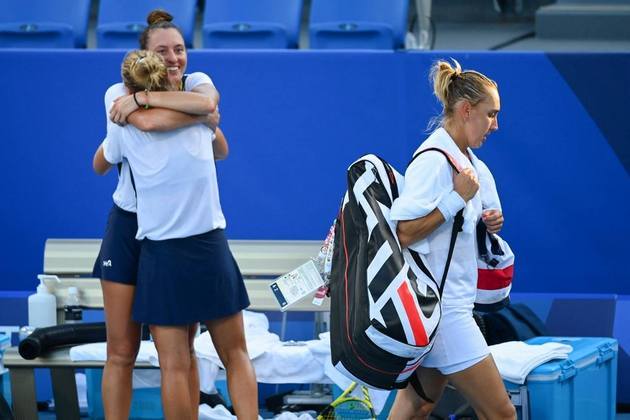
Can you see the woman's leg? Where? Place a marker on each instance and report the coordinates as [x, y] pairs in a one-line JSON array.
[[228, 336], [194, 371], [123, 342], [482, 386], [409, 405], [173, 349]]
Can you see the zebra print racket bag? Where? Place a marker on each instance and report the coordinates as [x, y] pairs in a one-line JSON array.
[[385, 303]]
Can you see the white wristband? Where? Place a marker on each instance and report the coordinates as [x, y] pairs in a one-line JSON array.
[[450, 205]]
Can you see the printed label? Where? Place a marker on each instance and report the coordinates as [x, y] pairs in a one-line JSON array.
[[296, 284]]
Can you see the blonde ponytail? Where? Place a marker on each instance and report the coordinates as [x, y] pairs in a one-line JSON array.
[[451, 84]]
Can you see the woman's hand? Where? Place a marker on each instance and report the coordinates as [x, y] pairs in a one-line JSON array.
[[466, 184], [122, 108], [493, 219], [212, 120]]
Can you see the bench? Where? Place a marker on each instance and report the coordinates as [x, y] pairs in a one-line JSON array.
[[260, 261]]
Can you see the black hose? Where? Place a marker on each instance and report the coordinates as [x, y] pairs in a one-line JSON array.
[[44, 339]]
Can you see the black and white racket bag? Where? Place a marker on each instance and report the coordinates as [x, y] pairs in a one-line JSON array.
[[385, 303]]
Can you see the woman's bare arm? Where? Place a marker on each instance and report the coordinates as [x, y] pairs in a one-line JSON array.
[[410, 231], [99, 163], [220, 145], [202, 100]]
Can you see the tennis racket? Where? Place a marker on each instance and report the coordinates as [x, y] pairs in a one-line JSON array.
[[348, 406]]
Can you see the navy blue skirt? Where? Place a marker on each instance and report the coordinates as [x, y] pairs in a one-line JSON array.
[[120, 251], [182, 281]]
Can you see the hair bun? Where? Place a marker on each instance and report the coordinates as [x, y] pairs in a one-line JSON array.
[[159, 15], [143, 69]]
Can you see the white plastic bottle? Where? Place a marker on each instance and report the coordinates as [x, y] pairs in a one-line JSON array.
[[72, 310], [42, 306]]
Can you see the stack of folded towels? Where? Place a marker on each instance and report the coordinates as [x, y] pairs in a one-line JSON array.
[[516, 359]]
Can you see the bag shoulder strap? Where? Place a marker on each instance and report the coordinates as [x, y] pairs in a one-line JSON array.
[[458, 222], [451, 160]]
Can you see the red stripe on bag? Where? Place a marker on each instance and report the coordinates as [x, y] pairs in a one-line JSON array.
[[494, 279], [419, 333]]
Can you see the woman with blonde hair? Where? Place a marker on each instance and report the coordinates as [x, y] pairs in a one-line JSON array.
[[433, 194]]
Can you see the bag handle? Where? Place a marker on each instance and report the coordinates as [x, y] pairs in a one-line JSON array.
[[495, 246]]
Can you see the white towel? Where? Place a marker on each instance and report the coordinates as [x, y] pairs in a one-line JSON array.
[[142, 378], [274, 361], [292, 362], [218, 412], [98, 351], [257, 337], [258, 342], [516, 359], [208, 372], [287, 415], [214, 413]]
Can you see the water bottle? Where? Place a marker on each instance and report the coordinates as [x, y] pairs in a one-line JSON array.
[[72, 310]]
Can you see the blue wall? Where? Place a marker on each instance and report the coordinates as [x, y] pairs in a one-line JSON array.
[[296, 119]]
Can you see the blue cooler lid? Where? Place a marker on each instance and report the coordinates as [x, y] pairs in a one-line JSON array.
[[5, 341], [586, 351]]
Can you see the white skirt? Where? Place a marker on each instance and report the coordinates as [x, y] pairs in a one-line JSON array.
[[458, 343]]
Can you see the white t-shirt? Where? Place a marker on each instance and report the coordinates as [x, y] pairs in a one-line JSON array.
[[428, 179], [124, 196], [174, 174]]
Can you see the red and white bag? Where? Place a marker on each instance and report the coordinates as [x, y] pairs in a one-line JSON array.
[[495, 270]]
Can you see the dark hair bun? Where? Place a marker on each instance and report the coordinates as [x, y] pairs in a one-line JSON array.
[[159, 15]]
